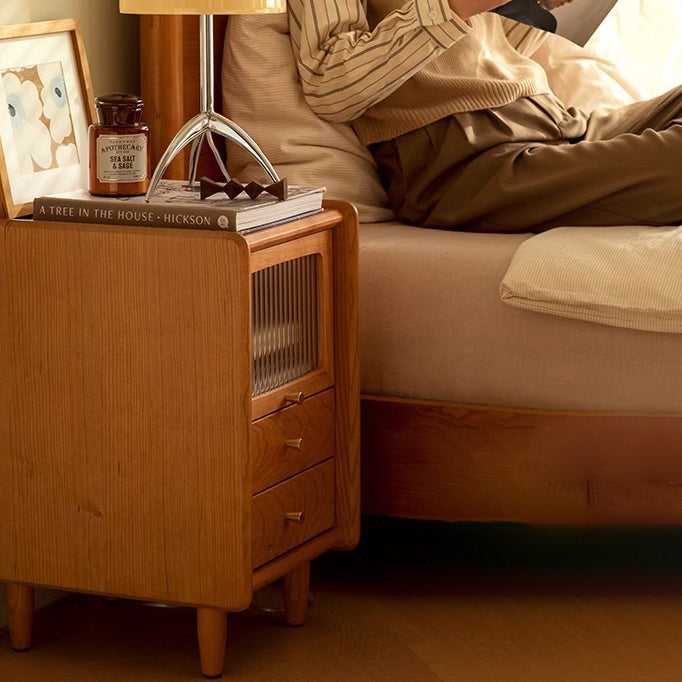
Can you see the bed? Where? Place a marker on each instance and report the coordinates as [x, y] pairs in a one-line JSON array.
[[471, 409]]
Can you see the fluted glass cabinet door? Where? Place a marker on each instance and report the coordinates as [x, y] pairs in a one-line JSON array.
[[291, 322]]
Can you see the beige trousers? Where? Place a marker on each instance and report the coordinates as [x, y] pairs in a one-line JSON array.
[[533, 165]]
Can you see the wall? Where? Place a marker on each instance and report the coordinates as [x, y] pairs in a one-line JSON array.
[[111, 43], [15, 12], [111, 38]]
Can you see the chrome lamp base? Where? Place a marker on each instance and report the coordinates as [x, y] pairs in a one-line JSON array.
[[208, 122]]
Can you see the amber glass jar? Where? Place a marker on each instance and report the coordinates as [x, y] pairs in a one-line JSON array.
[[119, 147]]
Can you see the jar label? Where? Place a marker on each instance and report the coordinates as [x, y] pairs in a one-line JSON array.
[[122, 158]]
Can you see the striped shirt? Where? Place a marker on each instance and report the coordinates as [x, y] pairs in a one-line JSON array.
[[402, 64]]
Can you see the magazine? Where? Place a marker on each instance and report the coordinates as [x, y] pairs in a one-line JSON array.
[[576, 20]]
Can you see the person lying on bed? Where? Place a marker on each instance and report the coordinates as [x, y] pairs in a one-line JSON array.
[[464, 127]]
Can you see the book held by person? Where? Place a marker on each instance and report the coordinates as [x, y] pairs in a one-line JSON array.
[[575, 20]]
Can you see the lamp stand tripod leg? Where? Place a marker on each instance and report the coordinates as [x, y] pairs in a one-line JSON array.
[[194, 131], [216, 155], [191, 130], [194, 157]]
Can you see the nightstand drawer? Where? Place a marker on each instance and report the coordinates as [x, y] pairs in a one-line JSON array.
[[292, 512], [293, 439]]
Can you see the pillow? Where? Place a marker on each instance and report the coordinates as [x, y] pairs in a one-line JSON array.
[[580, 77], [619, 276], [261, 94], [634, 54], [642, 39]]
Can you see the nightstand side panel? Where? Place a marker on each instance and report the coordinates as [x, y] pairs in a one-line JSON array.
[[117, 336]]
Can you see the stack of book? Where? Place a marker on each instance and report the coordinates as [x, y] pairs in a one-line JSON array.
[[176, 204]]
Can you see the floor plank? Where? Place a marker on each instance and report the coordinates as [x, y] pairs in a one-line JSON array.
[[123, 671], [415, 602]]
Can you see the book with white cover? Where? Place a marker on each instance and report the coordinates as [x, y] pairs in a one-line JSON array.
[[579, 19]]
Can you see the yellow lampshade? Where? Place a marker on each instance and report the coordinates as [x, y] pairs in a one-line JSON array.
[[201, 6]]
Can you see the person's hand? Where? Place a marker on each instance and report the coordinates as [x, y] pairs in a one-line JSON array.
[[467, 8]]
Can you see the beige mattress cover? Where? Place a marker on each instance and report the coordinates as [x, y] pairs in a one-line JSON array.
[[433, 327]]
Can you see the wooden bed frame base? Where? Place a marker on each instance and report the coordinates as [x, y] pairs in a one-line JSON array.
[[456, 462], [450, 462]]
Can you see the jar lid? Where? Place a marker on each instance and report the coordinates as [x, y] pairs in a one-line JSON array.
[[119, 108]]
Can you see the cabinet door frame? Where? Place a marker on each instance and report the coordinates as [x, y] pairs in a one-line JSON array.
[[322, 377]]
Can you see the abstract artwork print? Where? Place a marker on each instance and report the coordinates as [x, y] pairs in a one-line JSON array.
[[40, 117]]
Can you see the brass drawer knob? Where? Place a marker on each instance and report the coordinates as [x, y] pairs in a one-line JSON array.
[[296, 397], [295, 517], [295, 443]]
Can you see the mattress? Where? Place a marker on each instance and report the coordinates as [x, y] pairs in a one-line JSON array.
[[433, 327]]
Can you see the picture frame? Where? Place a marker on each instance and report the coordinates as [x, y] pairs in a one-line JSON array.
[[46, 107]]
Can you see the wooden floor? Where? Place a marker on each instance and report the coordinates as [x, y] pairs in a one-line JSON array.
[[415, 603]]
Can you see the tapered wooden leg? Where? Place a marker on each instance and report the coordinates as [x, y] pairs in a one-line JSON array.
[[20, 608], [295, 588], [212, 635]]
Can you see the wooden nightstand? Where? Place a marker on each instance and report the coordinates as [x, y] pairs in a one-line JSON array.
[[180, 413]]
